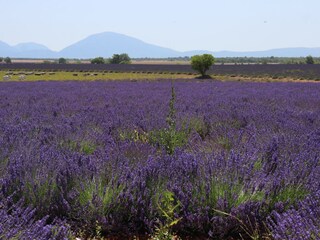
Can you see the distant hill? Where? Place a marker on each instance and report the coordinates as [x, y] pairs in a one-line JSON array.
[[108, 43], [281, 52], [26, 50], [30, 47], [5, 49]]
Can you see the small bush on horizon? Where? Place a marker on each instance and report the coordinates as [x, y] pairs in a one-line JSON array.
[[98, 60], [309, 60], [62, 60], [7, 60], [120, 59]]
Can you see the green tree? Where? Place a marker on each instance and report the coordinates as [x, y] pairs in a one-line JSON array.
[[62, 61], [309, 60], [120, 59], [202, 63], [98, 60], [1, 59], [7, 60]]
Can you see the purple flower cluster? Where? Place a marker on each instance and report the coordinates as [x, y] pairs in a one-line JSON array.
[[91, 154], [18, 222], [301, 223]]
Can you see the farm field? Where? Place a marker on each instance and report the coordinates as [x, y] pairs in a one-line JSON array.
[[257, 71], [159, 160], [19, 75]]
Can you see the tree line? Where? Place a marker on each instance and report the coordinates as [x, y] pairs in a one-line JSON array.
[[269, 60], [125, 59], [115, 59]]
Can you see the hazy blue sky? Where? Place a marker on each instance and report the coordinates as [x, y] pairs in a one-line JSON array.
[[242, 25]]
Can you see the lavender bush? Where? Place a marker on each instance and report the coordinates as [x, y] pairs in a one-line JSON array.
[[301, 223], [18, 222], [243, 161]]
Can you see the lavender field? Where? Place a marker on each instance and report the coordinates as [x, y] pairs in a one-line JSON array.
[[189, 159], [274, 71]]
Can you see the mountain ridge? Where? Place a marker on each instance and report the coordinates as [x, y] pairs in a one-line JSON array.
[[108, 43], [98, 45]]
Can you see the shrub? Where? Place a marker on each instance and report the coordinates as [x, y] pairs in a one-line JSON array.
[[202, 63], [62, 61], [309, 60], [120, 59], [98, 60], [7, 60]]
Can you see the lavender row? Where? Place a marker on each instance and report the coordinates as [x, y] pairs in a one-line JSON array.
[[99, 67], [219, 160]]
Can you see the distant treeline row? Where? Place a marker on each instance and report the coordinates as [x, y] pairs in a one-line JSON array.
[[245, 60], [184, 60], [267, 60]]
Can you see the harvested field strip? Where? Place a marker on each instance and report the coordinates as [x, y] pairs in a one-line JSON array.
[[87, 76]]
